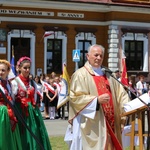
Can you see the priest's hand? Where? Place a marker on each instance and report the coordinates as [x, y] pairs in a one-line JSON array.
[[104, 98]]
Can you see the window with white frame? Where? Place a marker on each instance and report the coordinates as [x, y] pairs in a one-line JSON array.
[[55, 52], [54, 55], [83, 46], [135, 46], [83, 41], [134, 54]]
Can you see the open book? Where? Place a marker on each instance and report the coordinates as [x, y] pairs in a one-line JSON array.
[[136, 103]]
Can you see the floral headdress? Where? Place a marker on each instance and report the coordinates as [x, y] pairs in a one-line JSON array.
[[22, 59]]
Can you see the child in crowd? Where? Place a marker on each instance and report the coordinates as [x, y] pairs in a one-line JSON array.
[[52, 96]]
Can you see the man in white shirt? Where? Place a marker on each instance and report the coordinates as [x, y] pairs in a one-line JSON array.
[[141, 86]]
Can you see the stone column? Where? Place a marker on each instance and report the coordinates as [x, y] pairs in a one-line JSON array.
[[113, 49]]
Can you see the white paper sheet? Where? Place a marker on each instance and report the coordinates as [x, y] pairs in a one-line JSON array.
[[136, 103]]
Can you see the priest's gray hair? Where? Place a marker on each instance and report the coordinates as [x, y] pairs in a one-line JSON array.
[[96, 45]]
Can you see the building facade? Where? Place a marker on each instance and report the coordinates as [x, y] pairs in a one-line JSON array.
[[49, 31]]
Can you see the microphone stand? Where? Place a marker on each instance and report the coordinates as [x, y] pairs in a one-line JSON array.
[[130, 91], [148, 107]]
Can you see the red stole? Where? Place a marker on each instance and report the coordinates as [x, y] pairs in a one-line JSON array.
[[103, 87]]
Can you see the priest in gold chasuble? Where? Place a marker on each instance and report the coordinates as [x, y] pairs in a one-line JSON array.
[[96, 102]]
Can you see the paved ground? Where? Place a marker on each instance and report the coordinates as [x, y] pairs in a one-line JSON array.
[[56, 127]]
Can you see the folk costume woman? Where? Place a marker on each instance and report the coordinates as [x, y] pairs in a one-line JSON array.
[[9, 131], [25, 95]]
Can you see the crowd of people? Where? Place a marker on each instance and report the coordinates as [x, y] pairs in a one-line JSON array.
[[22, 99], [95, 103], [47, 94], [49, 90], [136, 84]]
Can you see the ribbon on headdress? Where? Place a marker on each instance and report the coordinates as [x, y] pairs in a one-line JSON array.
[[22, 59]]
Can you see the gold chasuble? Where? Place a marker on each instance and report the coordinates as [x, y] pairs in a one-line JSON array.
[[102, 131], [108, 109]]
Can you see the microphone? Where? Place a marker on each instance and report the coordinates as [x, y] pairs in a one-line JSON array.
[[106, 70]]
